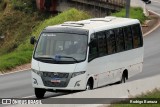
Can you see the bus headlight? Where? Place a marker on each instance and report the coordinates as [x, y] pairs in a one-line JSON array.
[[37, 72], [77, 73]]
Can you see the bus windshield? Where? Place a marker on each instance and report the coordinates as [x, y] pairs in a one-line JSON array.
[[61, 47]]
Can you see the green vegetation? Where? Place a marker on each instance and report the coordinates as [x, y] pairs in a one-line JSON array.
[[27, 6], [69, 15], [154, 94], [15, 26], [13, 59], [135, 12]]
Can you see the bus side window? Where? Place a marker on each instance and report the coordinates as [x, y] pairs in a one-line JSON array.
[[93, 48], [102, 50], [137, 36], [120, 39], [111, 41], [128, 38]]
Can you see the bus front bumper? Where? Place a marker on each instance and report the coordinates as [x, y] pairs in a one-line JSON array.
[[75, 83]]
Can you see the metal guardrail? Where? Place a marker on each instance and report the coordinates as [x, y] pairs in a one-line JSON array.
[[109, 4], [97, 8]]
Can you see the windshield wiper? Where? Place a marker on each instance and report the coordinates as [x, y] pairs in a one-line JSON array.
[[66, 57], [46, 58], [57, 58]]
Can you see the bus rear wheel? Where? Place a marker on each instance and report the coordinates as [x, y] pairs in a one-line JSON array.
[[39, 92], [123, 79]]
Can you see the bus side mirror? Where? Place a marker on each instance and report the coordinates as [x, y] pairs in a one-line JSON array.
[[32, 40]]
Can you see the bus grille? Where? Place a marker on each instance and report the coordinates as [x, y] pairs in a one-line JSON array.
[[47, 78], [56, 75]]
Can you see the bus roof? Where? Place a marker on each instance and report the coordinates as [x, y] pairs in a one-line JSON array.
[[97, 24]]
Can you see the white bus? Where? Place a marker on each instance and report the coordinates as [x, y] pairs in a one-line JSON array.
[[86, 54]]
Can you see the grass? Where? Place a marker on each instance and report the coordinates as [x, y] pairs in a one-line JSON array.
[[16, 26], [69, 15], [13, 59], [135, 13], [150, 95]]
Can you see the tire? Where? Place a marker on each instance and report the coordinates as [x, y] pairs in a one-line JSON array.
[[89, 85], [123, 79], [39, 93], [147, 1]]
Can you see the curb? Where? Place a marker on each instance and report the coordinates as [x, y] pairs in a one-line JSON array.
[[2, 74]]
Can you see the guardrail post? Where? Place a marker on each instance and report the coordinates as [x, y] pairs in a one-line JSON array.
[[127, 8]]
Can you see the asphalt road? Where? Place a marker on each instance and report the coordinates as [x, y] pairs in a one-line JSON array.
[[155, 6], [18, 85]]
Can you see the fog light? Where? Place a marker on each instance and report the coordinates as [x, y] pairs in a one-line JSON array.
[[35, 81], [77, 84]]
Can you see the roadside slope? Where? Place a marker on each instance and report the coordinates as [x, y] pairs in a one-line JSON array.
[[23, 52]]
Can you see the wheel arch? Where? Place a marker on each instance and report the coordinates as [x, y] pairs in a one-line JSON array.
[[91, 79]]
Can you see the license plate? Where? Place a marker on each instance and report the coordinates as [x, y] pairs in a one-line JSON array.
[[55, 80]]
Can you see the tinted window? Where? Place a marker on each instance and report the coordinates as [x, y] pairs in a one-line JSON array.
[[128, 38], [93, 49], [137, 36], [101, 43], [111, 41], [119, 39]]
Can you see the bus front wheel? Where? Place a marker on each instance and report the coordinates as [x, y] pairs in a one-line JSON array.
[[39, 92], [89, 85]]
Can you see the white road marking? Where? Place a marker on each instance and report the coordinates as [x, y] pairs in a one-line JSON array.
[[154, 12], [155, 26], [15, 72]]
